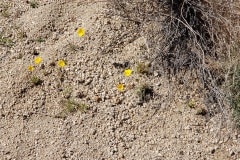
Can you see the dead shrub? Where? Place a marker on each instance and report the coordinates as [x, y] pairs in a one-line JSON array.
[[190, 36]]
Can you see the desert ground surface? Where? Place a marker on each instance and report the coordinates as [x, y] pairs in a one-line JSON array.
[[77, 112]]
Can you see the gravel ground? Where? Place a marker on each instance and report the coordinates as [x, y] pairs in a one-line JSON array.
[[36, 121]]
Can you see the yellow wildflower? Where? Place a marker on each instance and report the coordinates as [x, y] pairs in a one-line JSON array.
[[30, 68], [37, 60], [81, 32], [127, 72], [61, 63], [120, 87]]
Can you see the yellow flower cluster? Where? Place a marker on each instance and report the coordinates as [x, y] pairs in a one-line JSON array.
[[37, 61], [126, 73], [61, 63]]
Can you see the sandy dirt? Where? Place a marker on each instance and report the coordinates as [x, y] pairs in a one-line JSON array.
[[34, 122]]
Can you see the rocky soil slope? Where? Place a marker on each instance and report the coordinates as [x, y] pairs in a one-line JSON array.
[[153, 118]]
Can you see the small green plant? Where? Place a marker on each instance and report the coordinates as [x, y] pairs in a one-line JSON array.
[[82, 107], [191, 103], [201, 111], [144, 93], [4, 11], [5, 41], [72, 47], [33, 3], [71, 106], [36, 80], [143, 68], [40, 39]]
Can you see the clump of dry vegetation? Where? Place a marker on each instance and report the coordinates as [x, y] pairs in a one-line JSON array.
[[36, 80], [142, 68], [144, 93], [70, 106], [235, 97], [200, 37], [33, 3], [6, 41]]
